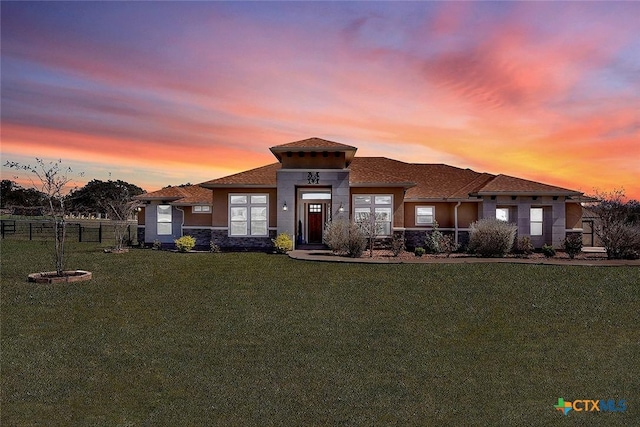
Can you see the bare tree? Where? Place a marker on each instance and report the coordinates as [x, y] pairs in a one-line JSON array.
[[53, 180], [121, 208], [372, 226], [618, 225]]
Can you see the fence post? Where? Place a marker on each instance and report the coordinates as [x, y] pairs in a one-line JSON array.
[[2, 227], [79, 232], [30, 231], [100, 233]]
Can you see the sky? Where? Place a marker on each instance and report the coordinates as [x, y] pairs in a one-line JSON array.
[[165, 93]]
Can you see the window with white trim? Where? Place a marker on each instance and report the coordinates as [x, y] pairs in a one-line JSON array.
[[502, 214], [536, 218], [201, 209], [425, 215], [163, 218], [248, 215], [377, 204]]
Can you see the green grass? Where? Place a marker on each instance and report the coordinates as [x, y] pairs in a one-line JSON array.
[[160, 338]]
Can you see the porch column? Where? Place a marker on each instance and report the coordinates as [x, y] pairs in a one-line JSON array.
[[559, 224], [524, 218], [488, 207], [286, 193]]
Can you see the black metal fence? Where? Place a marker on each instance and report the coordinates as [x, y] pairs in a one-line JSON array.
[[85, 231]]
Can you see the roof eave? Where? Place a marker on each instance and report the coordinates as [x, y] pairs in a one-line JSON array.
[[526, 193], [155, 198], [382, 184], [441, 199], [239, 185]]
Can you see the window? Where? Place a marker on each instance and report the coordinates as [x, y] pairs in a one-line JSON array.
[[536, 216], [424, 215], [164, 220], [248, 215], [502, 214], [201, 209], [379, 205]]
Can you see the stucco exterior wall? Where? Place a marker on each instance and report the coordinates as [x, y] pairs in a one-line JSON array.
[[196, 218], [444, 214], [151, 229], [574, 215]]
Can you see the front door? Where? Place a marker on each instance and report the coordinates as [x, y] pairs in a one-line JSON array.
[[314, 222]]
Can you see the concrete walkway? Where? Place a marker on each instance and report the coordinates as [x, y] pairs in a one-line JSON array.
[[327, 256]]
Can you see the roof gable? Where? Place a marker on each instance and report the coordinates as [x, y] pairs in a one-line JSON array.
[[315, 143], [185, 195]]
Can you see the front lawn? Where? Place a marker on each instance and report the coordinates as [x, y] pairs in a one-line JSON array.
[[161, 338]]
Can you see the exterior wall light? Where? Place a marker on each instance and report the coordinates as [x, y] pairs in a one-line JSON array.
[[341, 208], [284, 207]]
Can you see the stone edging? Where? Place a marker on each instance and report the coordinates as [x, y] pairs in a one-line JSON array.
[[67, 276]]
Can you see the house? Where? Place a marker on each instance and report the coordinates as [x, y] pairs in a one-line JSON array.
[[315, 181]]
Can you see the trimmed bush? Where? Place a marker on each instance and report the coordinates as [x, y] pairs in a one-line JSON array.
[[433, 240], [344, 238], [397, 244], [548, 251], [491, 237], [185, 243], [283, 243], [437, 243], [419, 251], [572, 245], [524, 246]]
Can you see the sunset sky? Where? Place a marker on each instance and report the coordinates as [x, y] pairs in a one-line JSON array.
[[159, 93]]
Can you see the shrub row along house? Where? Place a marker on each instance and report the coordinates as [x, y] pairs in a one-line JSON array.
[[315, 181]]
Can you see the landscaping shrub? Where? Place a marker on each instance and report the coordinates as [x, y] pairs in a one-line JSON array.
[[213, 247], [419, 251], [185, 243], [572, 245], [491, 237], [437, 243], [283, 243], [548, 251], [524, 246], [433, 240], [344, 238], [397, 244]]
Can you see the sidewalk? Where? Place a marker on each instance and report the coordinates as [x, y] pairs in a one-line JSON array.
[[327, 256]]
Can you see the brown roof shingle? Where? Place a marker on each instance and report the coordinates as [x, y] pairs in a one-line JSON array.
[[318, 143], [187, 195], [505, 184], [264, 176]]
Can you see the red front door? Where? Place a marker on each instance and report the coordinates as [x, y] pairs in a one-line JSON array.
[[314, 222]]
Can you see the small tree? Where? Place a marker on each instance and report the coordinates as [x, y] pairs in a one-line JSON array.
[[53, 180], [371, 226], [113, 198], [618, 225]]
